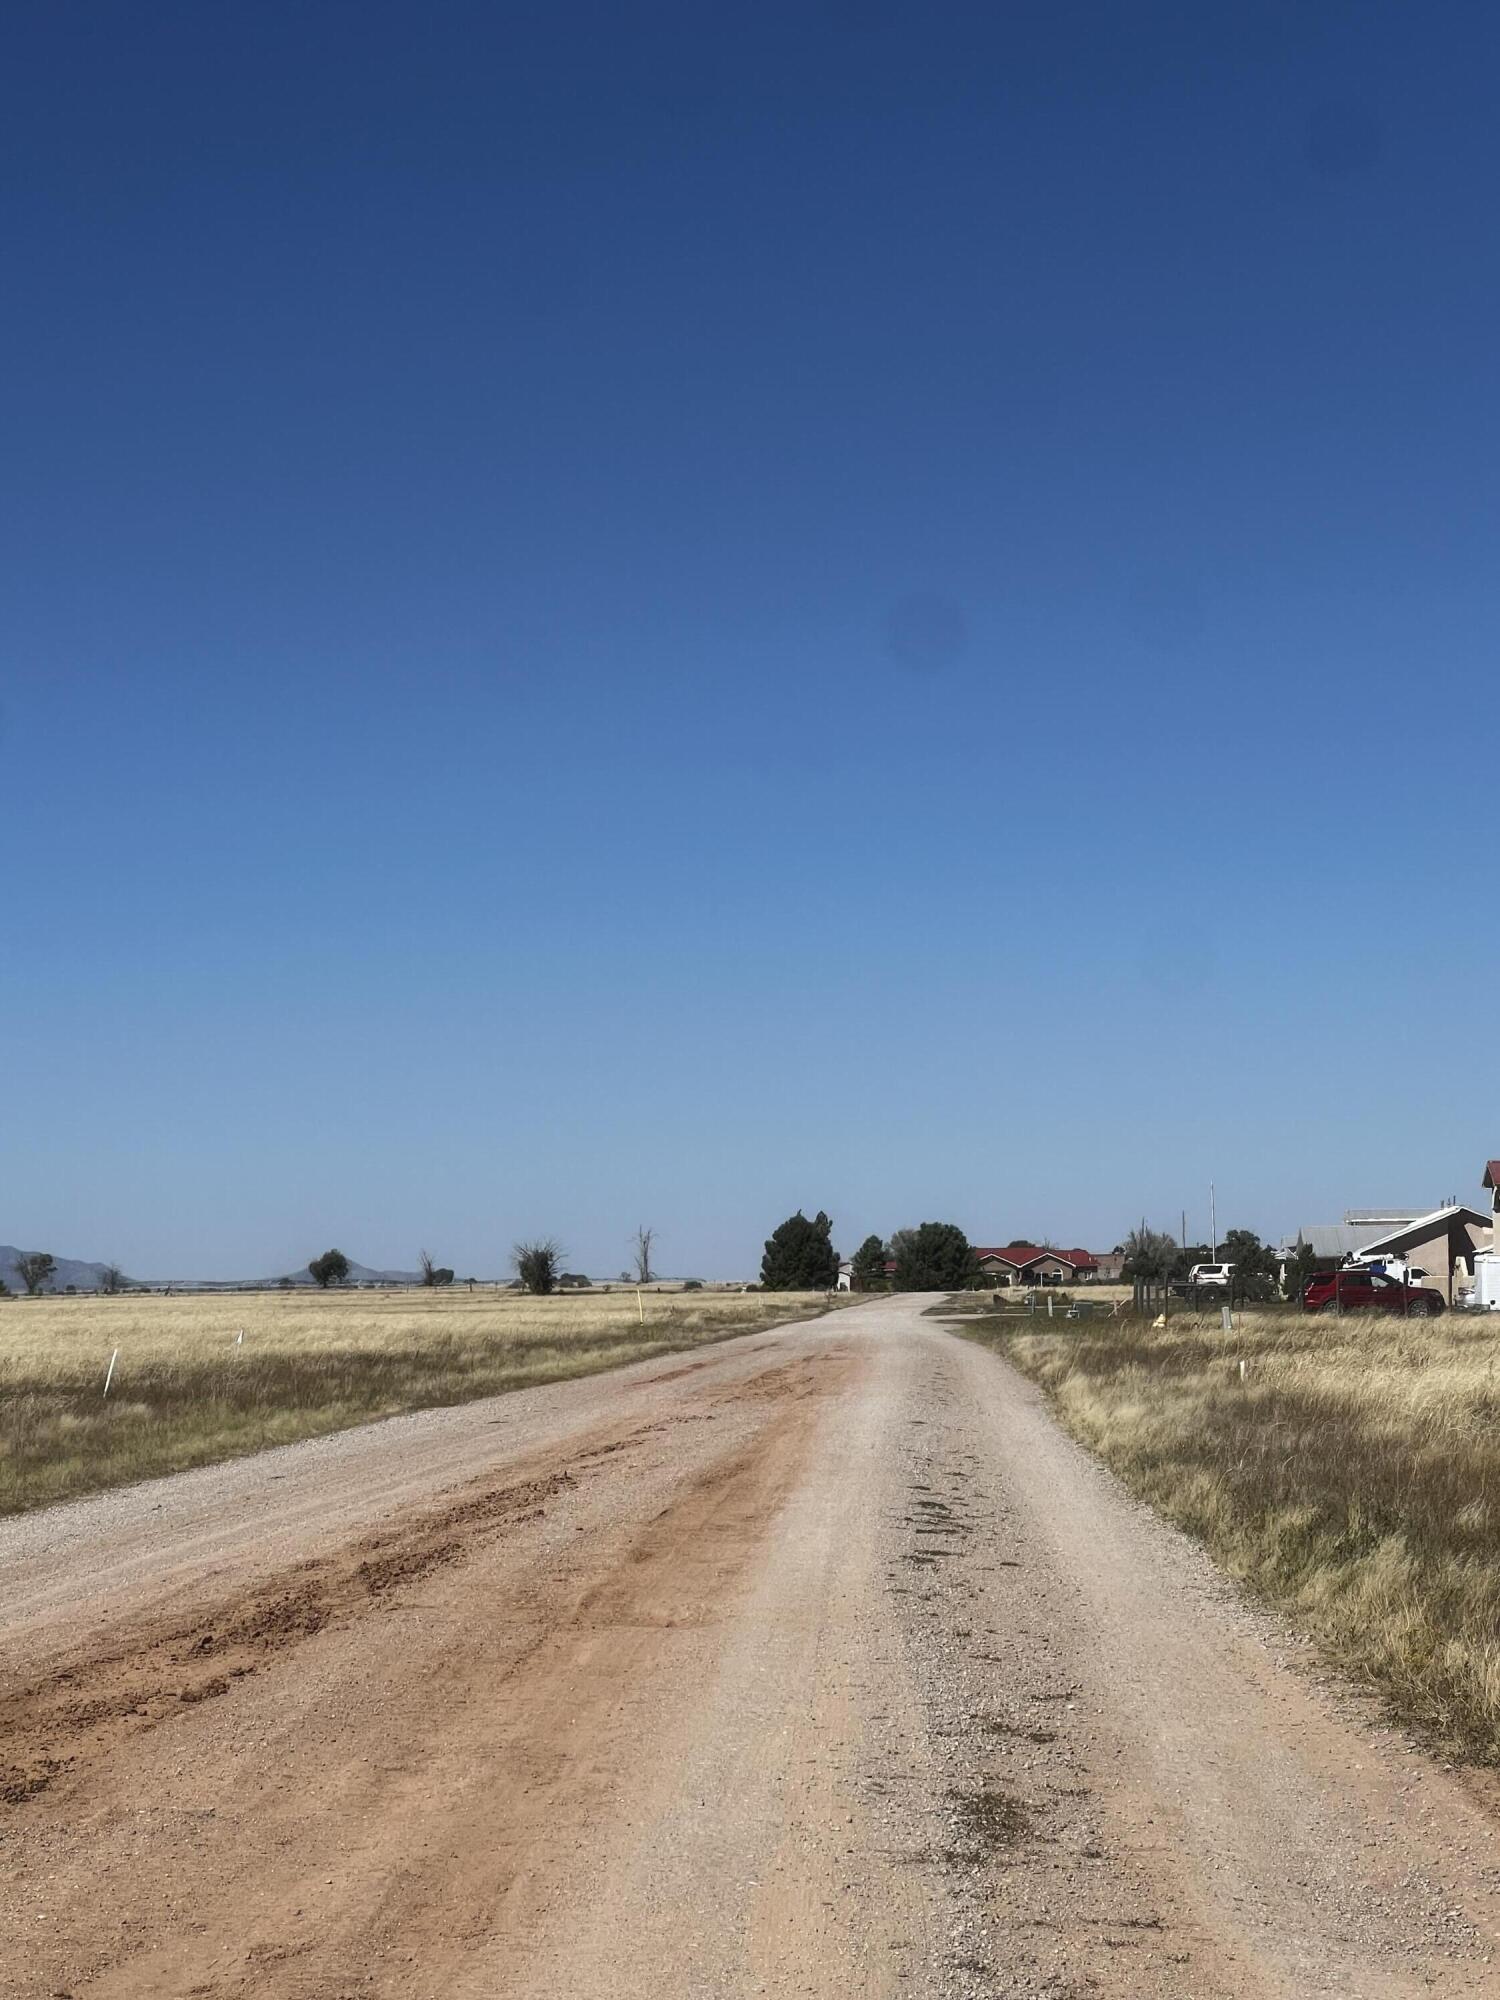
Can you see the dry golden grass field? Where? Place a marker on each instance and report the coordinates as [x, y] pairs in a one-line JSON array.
[[1349, 1472], [187, 1391]]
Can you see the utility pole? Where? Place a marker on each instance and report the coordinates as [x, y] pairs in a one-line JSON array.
[[1213, 1226], [1184, 1229]]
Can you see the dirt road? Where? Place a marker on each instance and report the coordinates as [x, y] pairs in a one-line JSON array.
[[818, 1664]]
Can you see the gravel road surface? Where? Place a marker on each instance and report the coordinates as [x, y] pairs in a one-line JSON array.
[[819, 1663]]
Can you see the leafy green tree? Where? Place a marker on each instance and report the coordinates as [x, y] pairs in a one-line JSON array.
[[537, 1265], [933, 1257], [1256, 1272], [332, 1268], [867, 1266], [800, 1257], [35, 1269]]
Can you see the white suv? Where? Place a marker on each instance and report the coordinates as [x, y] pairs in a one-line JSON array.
[[1212, 1274]]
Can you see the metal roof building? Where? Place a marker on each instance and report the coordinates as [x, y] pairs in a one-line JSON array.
[[1443, 1242], [1336, 1240]]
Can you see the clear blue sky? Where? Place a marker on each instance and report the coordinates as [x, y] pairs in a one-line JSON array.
[[619, 613]]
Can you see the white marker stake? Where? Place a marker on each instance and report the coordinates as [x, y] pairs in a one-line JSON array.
[[110, 1372], [640, 1310], [239, 1338]]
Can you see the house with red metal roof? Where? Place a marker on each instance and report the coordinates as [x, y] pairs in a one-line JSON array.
[[1035, 1264]]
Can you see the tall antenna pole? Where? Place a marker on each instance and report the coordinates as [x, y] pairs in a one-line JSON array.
[[1213, 1226]]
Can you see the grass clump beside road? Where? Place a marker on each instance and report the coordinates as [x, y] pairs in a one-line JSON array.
[[1351, 1477], [185, 1393]]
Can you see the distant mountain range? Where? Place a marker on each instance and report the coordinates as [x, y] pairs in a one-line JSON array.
[[87, 1277], [70, 1271], [359, 1274]]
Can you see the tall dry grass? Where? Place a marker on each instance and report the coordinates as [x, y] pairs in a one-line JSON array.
[[186, 1392], [1350, 1475]]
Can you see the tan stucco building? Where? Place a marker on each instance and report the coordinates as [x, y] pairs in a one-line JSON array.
[[1442, 1244]]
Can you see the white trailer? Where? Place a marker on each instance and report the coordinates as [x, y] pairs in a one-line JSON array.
[[1487, 1280]]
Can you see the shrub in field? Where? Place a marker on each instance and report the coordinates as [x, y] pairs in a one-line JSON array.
[[536, 1265]]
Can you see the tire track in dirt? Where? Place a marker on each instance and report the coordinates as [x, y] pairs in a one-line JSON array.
[[450, 1797], [71, 1716], [75, 1715]]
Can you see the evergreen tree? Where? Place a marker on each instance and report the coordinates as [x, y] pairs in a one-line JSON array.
[[933, 1257], [800, 1256], [867, 1267]]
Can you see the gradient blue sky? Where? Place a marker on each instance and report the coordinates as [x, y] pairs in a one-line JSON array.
[[620, 613]]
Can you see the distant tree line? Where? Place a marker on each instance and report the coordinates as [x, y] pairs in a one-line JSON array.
[[799, 1256], [938, 1257], [931, 1257], [1159, 1260]]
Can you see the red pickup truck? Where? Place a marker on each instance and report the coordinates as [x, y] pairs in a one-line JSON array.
[[1359, 1290]]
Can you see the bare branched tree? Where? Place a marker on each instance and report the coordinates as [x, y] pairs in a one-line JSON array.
[[111, 1279], [424, 1258], [644, 1238]]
